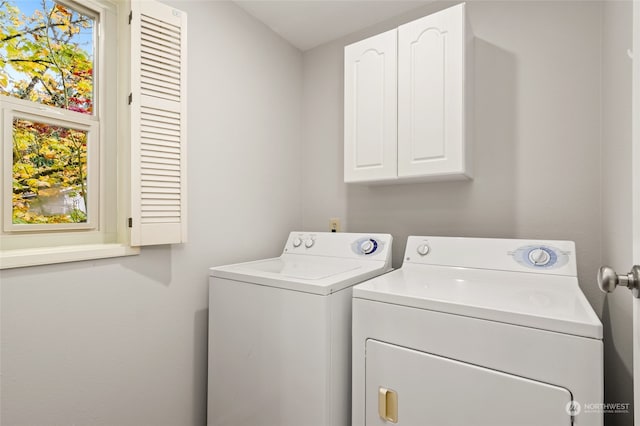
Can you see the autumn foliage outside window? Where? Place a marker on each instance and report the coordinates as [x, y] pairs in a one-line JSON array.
[[47, 57]]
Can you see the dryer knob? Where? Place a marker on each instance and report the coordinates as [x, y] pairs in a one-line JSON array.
[[309, 242], [539, 257], [423, 249], [297, 241]]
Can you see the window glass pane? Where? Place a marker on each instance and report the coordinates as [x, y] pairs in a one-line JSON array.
[[47, 54], [49, 173]]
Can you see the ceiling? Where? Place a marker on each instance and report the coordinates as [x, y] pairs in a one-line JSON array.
[[310, 23]]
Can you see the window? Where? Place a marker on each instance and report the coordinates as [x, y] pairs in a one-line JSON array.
[[51, 166], [71, 85]]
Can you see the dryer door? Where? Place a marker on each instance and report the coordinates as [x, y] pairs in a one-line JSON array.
[[408, 387]]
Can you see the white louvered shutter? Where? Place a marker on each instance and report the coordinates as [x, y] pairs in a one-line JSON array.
[[158, 124]]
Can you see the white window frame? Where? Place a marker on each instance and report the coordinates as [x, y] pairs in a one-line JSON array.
[[108, 236]]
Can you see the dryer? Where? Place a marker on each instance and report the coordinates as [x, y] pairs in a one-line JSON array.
[[481, 332], [280, 331]]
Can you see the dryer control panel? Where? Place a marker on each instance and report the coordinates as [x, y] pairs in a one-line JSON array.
[[540, 256], [550, 257]]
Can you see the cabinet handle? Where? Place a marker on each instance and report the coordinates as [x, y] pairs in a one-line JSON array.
[[388, 405]]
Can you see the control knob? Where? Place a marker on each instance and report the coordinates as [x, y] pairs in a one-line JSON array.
[[367, 247], [297, 241], [309, 242], [423, 249], [539, 257]]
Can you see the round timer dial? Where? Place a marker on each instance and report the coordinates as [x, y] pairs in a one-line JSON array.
[[368, 246], [540, 257]]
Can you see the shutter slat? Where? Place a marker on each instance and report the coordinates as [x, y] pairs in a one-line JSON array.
[[154, 202], [156, 190], [160, 196], [160, 172], [161, 75], [170, 76], [152, 127], [153, 136], [155, 87], [157, 166], [158, 160], [160, 210], [151, 123], [157, 155], [160, 148], [152, 183], [160, 178], [151, 60], [159, 129], [160, 143], [150, 26], [160, 52], [165, 38], [154, 112], [160, 38], [162, 220], [161, 94], [162, 25]]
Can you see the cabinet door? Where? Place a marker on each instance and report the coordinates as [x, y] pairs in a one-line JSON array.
[[370, 109], [407, 387], [431, 61]]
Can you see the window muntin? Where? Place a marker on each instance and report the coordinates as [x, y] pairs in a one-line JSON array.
[[47, 52]]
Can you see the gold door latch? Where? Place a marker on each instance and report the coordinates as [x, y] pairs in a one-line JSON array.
[[388, 405]]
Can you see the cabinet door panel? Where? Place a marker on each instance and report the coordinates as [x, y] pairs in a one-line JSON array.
[[370, 122], [427, 389], [431, 60]]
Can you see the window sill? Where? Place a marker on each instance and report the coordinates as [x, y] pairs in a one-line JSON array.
[[49, 255]]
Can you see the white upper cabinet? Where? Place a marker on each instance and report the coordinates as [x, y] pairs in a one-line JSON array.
[[432, 139], [370, 105]]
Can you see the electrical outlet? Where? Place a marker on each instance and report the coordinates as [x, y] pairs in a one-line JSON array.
[[334, 224]]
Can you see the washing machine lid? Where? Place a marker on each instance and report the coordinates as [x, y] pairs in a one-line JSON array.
[[311, 274], [548, 302]]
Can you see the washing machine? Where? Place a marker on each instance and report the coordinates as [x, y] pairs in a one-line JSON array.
[[477, 332], [280, 331]]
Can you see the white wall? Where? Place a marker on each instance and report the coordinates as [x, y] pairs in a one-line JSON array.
[[616, 199], [124, 341]]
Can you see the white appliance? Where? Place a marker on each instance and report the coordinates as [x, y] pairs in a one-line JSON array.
[[280, 331], [478, 332]]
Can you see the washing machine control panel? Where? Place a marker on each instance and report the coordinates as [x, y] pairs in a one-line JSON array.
[[340, 244]]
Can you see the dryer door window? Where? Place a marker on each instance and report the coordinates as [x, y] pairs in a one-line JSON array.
[[408, 387]]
